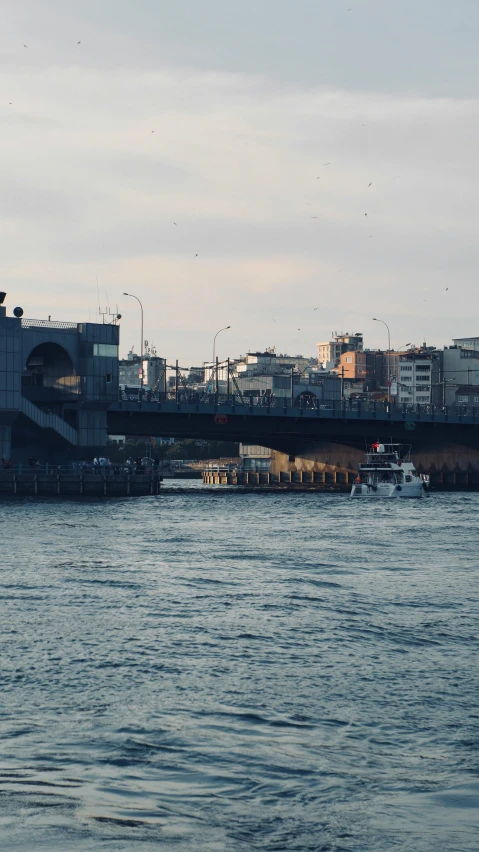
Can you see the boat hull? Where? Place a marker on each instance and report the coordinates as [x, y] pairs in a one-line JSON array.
[[388, 492]]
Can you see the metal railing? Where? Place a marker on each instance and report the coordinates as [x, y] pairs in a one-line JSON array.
[[48, 469], [38, 323], [269, 401]]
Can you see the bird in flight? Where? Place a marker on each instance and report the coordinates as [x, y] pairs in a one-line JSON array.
[[447, 288], [315, 309], [25, 45], [174, 223], [196, 255], [78, 42], [370, 184], [366, 215], [314, 217], [326, 164]]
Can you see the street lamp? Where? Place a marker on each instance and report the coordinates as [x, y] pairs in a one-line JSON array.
[[375, 319], [214, 340], [141, 348], [214, 354]]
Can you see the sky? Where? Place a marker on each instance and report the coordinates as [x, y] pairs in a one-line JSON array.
[[286, 167]]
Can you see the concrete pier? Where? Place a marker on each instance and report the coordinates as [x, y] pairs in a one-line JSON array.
[[291, 480], [69, 484]]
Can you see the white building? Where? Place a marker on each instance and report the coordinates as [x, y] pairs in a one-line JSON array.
[[414, 382], [153, 368]]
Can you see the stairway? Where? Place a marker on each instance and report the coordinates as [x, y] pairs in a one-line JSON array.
[[50, 421]]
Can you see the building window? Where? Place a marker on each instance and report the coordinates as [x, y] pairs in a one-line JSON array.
[[349, 359], [462, 399], [476, 399], [405, 368], [109, 378], [105, 350]]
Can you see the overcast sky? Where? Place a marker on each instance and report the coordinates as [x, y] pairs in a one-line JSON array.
[[220, 117]]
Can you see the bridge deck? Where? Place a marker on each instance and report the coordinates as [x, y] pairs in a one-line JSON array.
[[332, 410]]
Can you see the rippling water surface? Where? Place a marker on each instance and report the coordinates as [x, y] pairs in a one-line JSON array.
[[235, 671]]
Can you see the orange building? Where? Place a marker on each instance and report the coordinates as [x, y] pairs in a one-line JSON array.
[[353, 365]]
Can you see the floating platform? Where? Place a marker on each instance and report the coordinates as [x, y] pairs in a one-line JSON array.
[[68, 484]]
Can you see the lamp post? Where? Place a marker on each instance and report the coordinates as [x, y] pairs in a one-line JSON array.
[[141, 348], [375, 319], [214, 351]]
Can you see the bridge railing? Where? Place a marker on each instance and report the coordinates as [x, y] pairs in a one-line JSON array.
[[303, 403]]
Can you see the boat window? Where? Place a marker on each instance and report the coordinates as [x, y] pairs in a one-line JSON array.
[[408, 478]]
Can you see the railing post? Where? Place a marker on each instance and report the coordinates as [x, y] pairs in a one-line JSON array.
[[176, 381], [228, 382]]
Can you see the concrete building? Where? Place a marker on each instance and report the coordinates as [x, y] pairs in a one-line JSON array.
[[414, 381], [467, 395], [460, 364], [151, 367], [57, 380], [330, 351], [287, 385], [254, 457], [352, 365]]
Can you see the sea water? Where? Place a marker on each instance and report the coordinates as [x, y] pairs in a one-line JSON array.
[[215, 670]]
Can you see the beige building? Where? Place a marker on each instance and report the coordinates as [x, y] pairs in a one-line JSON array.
[[330, 351]]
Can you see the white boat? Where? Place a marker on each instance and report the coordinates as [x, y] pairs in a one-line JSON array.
[[389, 472]]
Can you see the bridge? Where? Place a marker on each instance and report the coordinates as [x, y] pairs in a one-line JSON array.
[[278, 424]]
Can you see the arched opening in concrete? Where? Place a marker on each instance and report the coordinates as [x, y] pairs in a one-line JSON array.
[[306, 400], [50, 366]]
